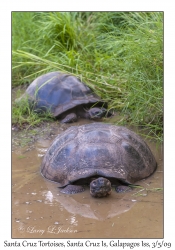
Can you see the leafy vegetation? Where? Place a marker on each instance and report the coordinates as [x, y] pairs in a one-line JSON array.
[[118, 54]]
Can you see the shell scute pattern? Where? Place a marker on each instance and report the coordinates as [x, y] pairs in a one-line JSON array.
[[98, 149], [59, 92]]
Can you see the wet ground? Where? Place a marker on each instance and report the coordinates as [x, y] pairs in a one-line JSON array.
[[39, 210]]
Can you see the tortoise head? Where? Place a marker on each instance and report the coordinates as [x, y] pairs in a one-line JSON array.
[[100, 187], [97, 112]]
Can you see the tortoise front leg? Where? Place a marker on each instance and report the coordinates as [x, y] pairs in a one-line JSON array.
[[72, 189], [72, 117]]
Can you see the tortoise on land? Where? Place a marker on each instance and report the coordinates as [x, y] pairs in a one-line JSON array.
[[100, 154], [66, 97]]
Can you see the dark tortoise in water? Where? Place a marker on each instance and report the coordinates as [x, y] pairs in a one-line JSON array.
[[98, 154], [66, 97]]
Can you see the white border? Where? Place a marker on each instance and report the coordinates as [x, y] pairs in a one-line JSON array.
[[5, 94]]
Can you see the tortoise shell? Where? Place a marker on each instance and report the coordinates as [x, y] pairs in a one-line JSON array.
[[95, 150], [58, 92]]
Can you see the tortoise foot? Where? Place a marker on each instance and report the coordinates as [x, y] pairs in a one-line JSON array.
[[72, 189], [72, 117]]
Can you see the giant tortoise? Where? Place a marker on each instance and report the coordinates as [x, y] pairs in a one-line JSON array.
[[98, 154], [66, 97]]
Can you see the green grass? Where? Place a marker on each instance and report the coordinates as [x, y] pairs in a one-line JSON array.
[[142, 191], [23, 115], [118, 54]]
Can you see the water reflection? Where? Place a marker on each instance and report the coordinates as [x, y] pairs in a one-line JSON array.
[[73, 220], [84, 205]]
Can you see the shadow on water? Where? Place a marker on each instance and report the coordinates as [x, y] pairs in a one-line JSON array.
[[39, 210]]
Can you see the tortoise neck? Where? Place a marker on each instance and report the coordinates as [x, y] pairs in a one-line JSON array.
[[83, 112]]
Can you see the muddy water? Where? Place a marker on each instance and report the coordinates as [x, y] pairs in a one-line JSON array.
[[39, 210]]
